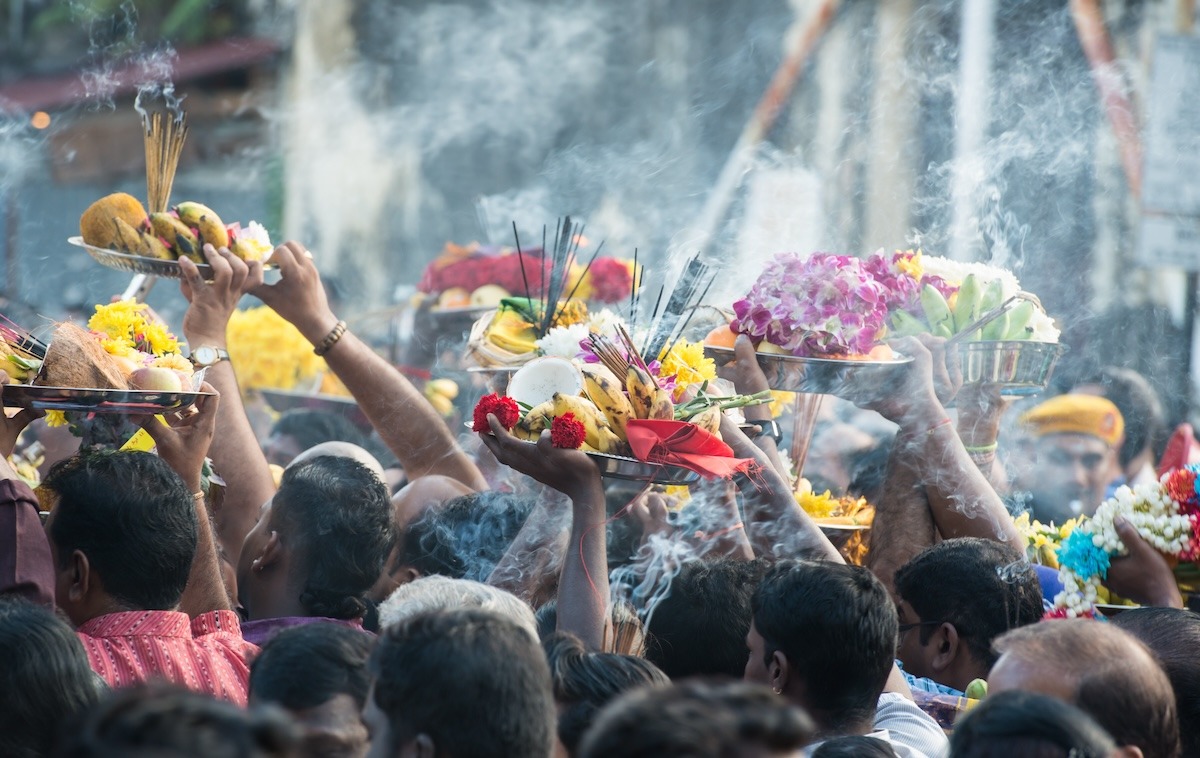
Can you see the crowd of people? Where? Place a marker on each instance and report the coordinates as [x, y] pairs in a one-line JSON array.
[[486, 596]]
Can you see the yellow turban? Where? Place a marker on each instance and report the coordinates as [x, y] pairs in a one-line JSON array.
[[1079, 414]]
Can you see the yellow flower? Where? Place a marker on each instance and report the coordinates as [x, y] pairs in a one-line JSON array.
[[174, 361], [682, 494], [910, 263], [687, 363], [780, 402], [56, 418], [268, 352], [817, 506], [126, 327]]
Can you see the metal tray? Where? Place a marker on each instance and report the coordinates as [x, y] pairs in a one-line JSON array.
[[820, 376], [1018, 367], [140, 264], [633, 470], [282, 401], [132, 402]]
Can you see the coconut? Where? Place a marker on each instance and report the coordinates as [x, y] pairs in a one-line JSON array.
[[76, 358], [537, 381], [98, 223]]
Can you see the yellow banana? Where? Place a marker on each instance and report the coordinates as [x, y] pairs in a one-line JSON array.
[[588, 414], [202, 218], [535, 421], [441, 404], [708, 419], [641, 387], [183, 241], [128, 240], [154, 247], [605, 391], [661, 406], [245, 250]]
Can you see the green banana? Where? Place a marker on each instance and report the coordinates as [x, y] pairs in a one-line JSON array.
[[904, 324], [1019, 317], [993, 295], [967, 304], [937, 312]]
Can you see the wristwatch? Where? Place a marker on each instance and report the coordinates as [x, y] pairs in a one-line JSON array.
[[765, 426], [207, 355]]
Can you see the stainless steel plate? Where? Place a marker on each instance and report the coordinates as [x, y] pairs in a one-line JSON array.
[[140, 264], [132, 402], [820, 376], [1018, 367], [633, 470]]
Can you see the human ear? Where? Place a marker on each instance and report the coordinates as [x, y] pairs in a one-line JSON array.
[[271, 553], [777, 672], [421, 746], [945, 643], [81, 576]]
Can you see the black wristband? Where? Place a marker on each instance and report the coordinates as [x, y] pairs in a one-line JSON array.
[[766, 426]]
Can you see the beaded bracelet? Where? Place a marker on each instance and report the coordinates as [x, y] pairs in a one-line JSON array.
[[331, 339]]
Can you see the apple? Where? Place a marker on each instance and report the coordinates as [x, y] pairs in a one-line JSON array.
[[154, 379], [455, 297]]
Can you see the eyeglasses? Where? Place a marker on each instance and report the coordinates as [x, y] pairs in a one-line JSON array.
[[908, 627]]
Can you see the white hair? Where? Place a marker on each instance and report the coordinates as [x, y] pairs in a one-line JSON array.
[[442, 593]]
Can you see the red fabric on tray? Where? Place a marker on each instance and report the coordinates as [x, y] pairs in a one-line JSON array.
[[678, 443]]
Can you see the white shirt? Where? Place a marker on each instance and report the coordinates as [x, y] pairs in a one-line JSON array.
[[910, 731]]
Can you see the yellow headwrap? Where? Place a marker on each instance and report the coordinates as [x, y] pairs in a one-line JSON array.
[[1080, 414]]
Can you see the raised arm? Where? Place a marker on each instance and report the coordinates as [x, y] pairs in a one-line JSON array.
[[903, 524], [184, 444], [776, 525], [529, 568], [26, 566], [583, 593], [235, 451], [408, 424]]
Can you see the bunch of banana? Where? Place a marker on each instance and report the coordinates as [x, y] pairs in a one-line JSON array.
[[120, 222], [599, 437], [509, 331], [441, 393], [945, 319], [606, 393], [20, 367], [647, 398]]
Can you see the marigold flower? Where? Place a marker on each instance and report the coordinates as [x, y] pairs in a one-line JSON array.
[[567, 431], [505, 410]]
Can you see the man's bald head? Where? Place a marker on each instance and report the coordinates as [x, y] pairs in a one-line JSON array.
[[1101, 669], [342, 450]]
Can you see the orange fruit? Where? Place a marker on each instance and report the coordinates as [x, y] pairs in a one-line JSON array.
[[722, 336]]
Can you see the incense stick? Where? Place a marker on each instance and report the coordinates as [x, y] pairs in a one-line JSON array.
[[521, 260], [164, 140]]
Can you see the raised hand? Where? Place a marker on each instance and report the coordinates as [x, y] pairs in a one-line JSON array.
[[212, 303], [184, 440], [11, 427], [570, 472], [299, 296]]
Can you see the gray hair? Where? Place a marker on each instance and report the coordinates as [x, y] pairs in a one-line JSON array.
[[442, 593]]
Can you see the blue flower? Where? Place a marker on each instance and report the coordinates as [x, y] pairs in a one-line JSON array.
[[1081, 557]]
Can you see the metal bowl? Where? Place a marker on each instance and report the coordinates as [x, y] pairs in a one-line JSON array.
[[633, 470], [131, 402], [1017, 367], [140, 264], [820, 376]]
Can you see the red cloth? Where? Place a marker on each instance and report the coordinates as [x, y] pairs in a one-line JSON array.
[[206, 654], [678, 443], [1180, 451]]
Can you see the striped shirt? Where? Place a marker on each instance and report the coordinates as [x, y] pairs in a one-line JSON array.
[[206, 654]]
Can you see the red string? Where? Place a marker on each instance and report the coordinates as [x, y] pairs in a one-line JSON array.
[[583, 537]]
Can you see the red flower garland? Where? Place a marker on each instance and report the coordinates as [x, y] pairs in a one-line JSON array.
[[505, 410], [567, 431]]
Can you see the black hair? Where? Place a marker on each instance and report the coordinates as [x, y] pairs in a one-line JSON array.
[[857, 746], [45, 678], [307, 665], [472, 681], [134, 519], [1173, 635], [1028, 724], [983, 587], [697, 719], [837, 627], [1140, 407], [465, 537], [699, 629], [340, 515], [151, 721], [584, 682], [311, 427]]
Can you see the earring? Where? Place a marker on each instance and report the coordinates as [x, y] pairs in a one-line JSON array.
[[778, 690]]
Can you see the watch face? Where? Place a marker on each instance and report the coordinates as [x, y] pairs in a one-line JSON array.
[[204, 356]]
